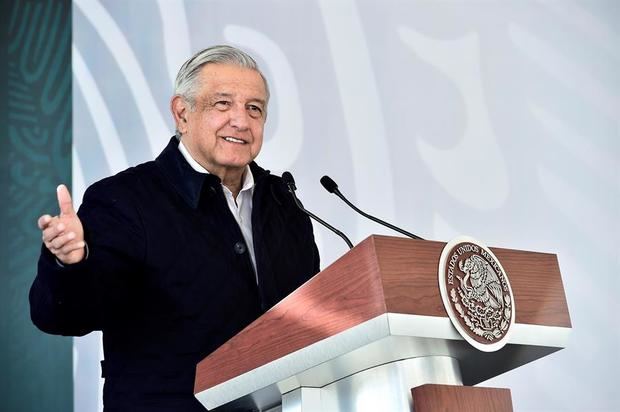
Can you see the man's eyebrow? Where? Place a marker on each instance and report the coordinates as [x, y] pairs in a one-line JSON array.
[[230, 95], [257, 100]]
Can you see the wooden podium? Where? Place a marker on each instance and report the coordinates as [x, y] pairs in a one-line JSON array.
[[364, 332]]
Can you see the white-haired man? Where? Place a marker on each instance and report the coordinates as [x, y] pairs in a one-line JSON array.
[[173, 257]]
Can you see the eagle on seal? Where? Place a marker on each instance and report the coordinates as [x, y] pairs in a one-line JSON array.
[[485, 285]]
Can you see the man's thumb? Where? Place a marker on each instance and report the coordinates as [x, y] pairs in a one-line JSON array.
[[64, 200]]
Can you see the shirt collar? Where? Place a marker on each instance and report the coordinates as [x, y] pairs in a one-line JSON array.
[[188, 182], [248, 178], [194, 164]]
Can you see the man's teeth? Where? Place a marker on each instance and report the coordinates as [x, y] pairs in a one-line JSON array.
[[233, 140]]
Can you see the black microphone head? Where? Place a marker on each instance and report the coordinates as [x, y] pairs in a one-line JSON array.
[[289, 180], [329, 184]]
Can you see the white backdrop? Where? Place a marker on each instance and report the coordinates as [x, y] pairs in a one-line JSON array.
[[499, 120]]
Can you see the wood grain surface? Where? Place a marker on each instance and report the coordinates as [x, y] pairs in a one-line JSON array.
[[439, 398], [343, 295], [409, 272]]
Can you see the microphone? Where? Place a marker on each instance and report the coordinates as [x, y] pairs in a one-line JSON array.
[[290, 183], [332, 187]]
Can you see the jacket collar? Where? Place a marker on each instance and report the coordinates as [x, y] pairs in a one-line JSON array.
[[188, 182]]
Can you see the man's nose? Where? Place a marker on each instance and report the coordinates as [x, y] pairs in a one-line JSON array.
[[239, 117]]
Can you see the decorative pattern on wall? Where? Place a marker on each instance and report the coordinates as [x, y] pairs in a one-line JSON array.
[[36, 155]]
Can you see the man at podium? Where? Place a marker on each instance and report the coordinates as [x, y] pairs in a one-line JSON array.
[[173, 257]]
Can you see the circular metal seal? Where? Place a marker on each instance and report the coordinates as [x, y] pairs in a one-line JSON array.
[[476, 293]]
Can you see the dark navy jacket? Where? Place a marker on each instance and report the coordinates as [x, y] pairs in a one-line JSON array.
[[168, 278]]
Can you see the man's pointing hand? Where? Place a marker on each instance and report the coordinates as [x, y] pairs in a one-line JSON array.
[[63, 235]]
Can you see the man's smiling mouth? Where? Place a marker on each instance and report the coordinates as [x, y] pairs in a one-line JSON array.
[[234, 140]]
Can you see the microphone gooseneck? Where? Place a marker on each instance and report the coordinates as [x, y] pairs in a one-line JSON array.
[[332, 187], [290, 183]]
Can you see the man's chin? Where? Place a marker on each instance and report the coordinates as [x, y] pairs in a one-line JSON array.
[[238, 161], [239, 164]]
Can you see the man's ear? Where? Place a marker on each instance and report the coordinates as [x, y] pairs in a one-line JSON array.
[[179, 109]]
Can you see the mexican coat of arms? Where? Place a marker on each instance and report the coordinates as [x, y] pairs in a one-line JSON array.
[[476, 293]]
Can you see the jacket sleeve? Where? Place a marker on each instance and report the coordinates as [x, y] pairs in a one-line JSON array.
[[76, 299]]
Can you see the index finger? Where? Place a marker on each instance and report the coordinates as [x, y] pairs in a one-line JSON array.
[[64, 200]]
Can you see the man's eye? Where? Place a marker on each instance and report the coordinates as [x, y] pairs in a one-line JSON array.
[[255, 110], [222, 103]]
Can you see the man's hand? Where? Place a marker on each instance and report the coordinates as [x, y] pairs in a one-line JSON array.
[[63, 235]]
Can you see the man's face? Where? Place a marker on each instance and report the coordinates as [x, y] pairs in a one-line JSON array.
[[224, 132]]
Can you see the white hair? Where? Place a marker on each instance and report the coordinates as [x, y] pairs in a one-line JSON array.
[[187, 82]]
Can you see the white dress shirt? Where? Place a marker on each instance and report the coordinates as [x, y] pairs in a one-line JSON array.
[[241, 208]]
